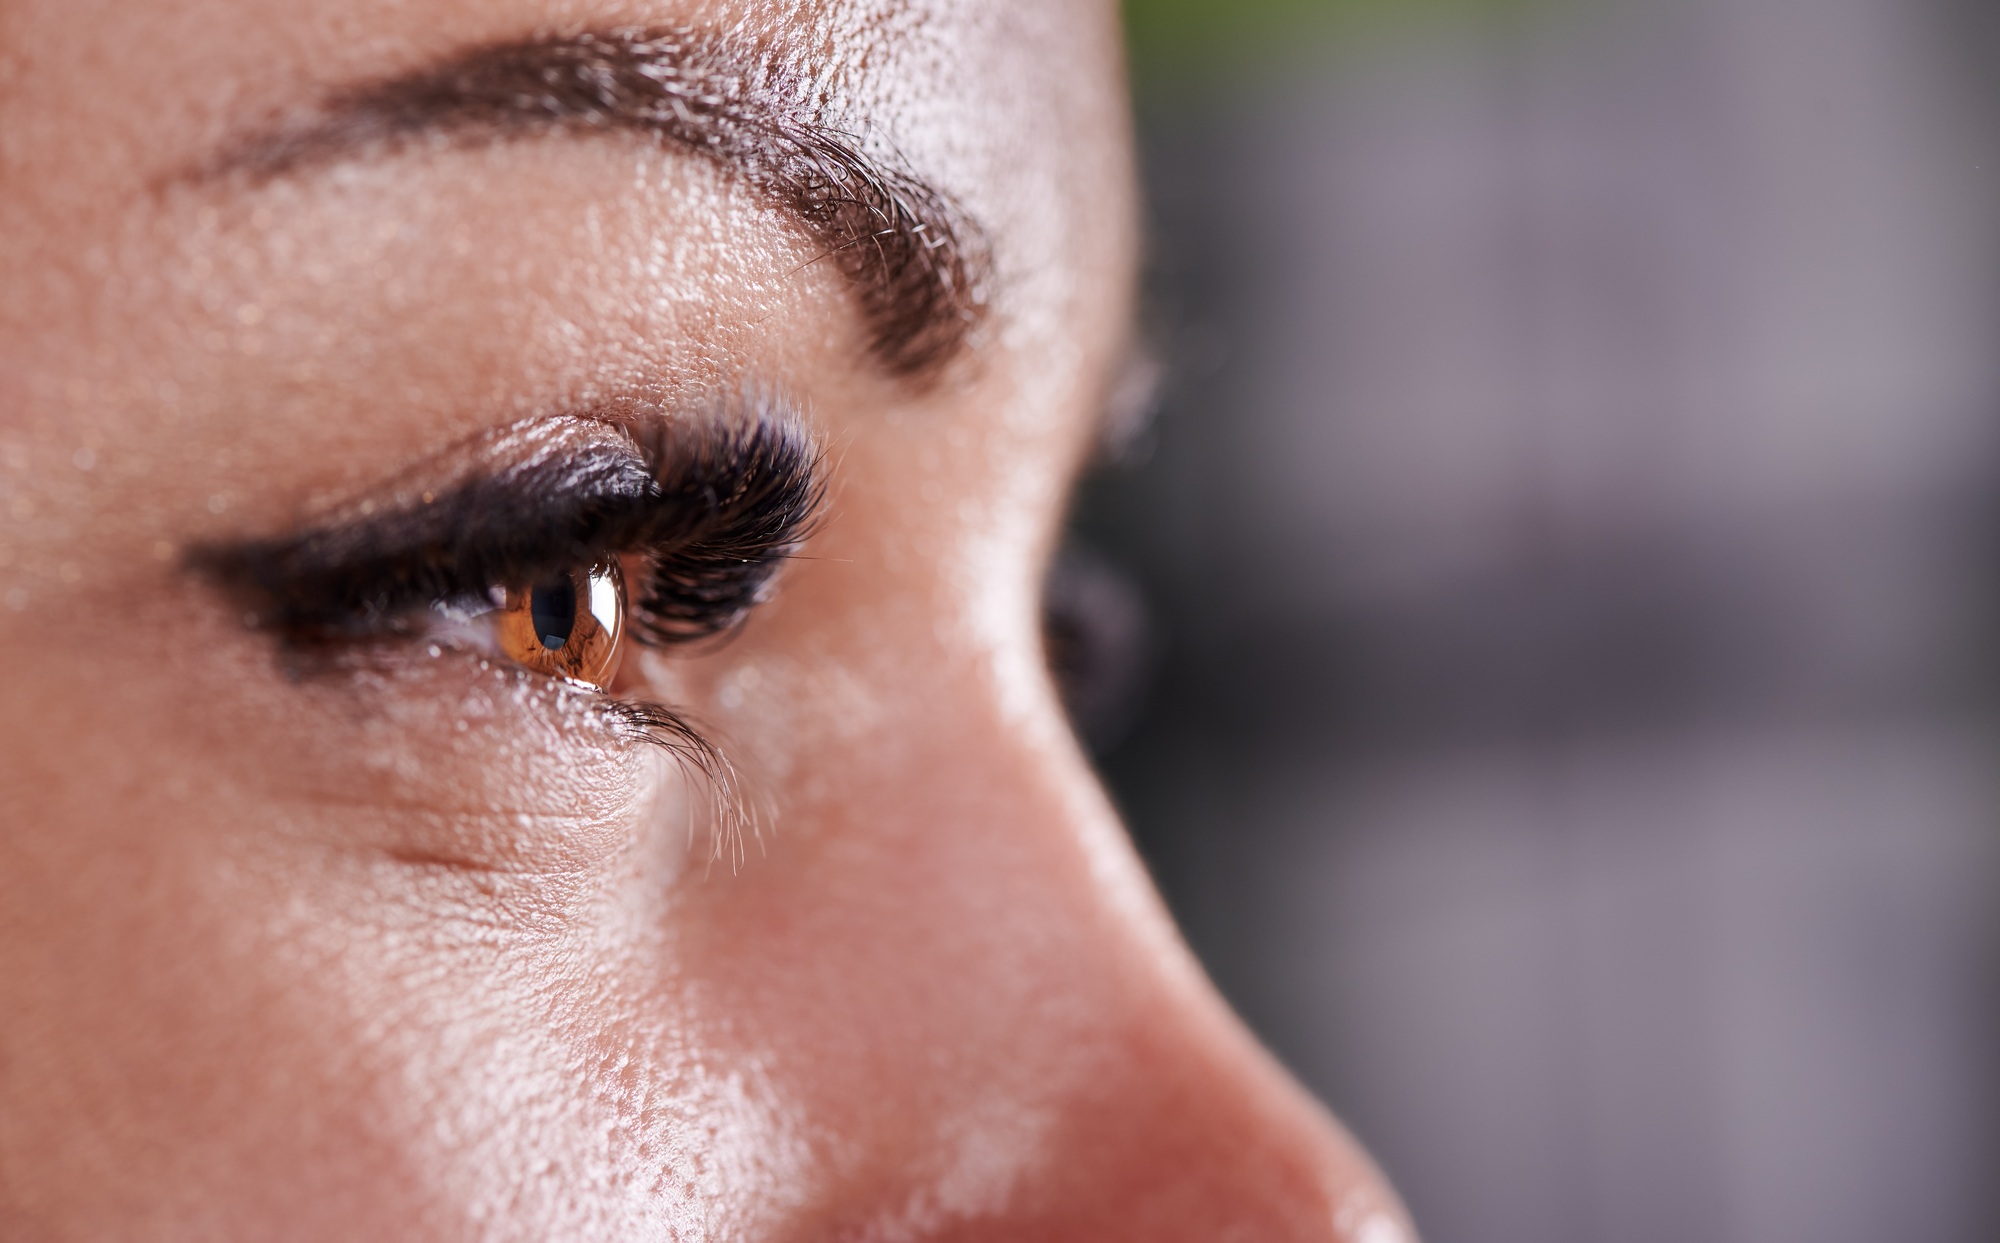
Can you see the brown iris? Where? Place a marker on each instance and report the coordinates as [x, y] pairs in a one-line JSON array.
[[569, 625]]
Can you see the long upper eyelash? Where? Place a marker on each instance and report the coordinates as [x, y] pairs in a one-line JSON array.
[[707, 575], [715, 506]]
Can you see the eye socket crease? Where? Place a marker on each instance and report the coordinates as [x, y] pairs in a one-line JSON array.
[[918, 264]]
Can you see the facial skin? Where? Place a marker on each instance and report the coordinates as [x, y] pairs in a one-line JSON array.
[[408, 943]]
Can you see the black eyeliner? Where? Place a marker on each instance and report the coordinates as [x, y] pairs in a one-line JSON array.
[[713, 505]]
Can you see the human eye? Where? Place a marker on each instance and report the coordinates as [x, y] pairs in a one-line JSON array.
[[547, 545], [569, 623]]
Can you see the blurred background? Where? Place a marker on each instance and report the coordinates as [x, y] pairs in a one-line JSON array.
[[1570, 538]]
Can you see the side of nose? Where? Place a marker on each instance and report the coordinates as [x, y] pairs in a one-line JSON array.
[[1014, 1040]]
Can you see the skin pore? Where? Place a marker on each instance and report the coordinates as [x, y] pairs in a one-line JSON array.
[[376, 931]]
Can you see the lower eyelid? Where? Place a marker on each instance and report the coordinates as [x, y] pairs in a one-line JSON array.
[[465, 775], [439, 698]]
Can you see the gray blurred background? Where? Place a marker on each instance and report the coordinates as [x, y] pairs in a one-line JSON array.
[[1571, 534]]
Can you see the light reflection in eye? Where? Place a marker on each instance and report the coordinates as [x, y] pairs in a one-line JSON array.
[[570, 625]]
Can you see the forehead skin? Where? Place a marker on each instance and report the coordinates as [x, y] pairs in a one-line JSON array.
[[416, 954]]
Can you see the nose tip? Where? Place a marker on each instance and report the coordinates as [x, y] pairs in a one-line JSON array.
[[1194, 1133]]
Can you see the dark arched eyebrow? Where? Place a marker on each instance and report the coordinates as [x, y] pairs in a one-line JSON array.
[[918, 265]]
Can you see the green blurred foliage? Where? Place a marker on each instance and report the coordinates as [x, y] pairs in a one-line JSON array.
[[1211, 42]]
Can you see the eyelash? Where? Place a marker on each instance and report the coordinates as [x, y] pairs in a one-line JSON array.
[[704, 512], [712, 578]]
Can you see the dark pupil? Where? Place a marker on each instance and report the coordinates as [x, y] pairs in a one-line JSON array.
[[552, 606]]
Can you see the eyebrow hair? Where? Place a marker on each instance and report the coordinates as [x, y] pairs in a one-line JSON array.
[[917, 263]]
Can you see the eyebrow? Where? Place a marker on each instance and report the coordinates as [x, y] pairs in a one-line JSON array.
[[917, 264]]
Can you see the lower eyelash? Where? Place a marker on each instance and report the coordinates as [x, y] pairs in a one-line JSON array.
[[733, 823]]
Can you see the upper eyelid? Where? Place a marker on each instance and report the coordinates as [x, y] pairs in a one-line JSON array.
[[407, 542], [525, 499]]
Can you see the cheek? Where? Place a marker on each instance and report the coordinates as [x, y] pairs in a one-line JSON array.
[[229, 746], [350, 937], [373, 1046]]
